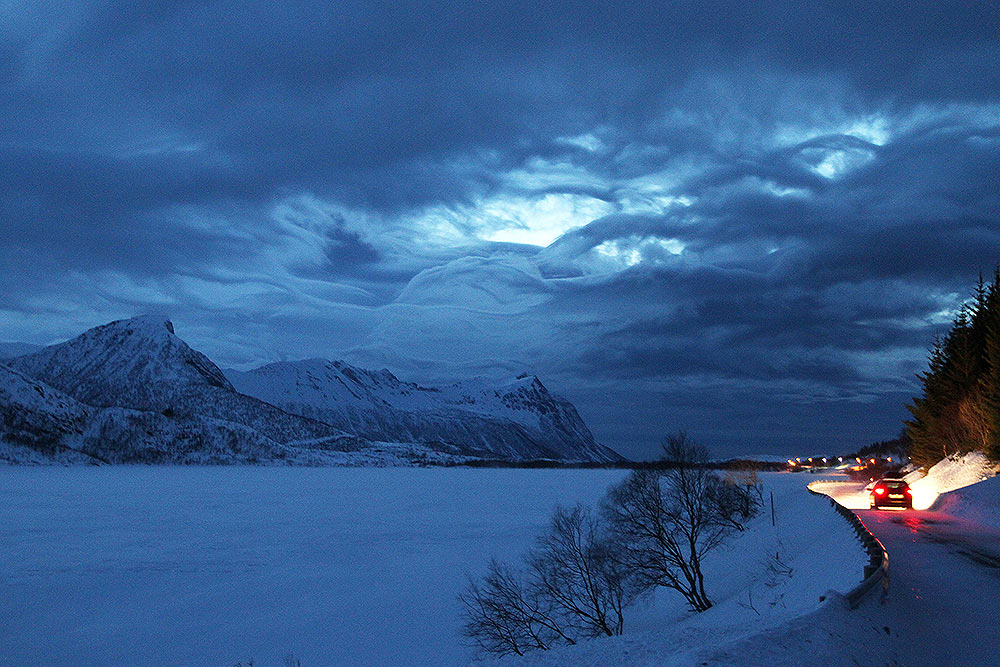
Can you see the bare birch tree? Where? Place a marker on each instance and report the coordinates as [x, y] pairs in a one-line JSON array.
[[583, 572], [503, 615], [737, 497], [572, 587], [573, 567], [665, 522]]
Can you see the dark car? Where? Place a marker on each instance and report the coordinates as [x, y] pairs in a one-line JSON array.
[[891, 493]]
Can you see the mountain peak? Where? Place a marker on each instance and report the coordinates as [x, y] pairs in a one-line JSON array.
[[530, 379], [148, 325], [127, 363]]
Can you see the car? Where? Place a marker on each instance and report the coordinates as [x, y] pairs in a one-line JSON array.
[[891, 492]]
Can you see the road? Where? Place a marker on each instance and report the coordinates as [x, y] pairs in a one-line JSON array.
[[944, 582], [941, 606]]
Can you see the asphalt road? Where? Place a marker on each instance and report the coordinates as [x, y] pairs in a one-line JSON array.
[[943, 597]]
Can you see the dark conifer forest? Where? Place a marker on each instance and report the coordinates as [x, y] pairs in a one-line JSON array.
[[959, 410]]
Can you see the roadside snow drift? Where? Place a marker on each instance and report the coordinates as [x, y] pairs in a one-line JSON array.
[[761, 582], [978, 503], [947, 475]]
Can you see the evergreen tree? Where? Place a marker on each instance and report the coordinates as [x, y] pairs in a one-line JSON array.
[[926, 411], [959, 410], [989, 381]]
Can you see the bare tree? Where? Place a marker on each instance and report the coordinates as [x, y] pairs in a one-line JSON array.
[[664, 522], [503, 615], [583, 572], [574, 568], [737, 497], [726, 501], [572, 586]]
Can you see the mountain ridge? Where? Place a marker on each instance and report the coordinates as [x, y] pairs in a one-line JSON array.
[[153, 398], [518, 419], [140, 364]]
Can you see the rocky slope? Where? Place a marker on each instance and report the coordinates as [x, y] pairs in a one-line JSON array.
[[40, 418], [38, 423]]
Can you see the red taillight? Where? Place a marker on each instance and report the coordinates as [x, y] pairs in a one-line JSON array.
[[908, 492], [879, 491]]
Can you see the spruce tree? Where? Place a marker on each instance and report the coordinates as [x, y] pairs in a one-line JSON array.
[[925, 410], [959, 410], [989, 381]]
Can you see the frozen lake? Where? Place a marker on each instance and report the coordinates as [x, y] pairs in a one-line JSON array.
[[217, 565]]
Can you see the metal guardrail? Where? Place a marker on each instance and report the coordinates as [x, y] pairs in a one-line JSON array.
[[877, 569]]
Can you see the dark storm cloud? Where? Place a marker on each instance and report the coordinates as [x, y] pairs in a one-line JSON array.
[[302, 80], [787, 194], [344, 247], [743, 324]]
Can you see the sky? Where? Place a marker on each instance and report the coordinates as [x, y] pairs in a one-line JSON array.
[[745, 220]]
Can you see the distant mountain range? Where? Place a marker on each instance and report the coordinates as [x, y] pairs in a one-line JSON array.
[[133, 391]]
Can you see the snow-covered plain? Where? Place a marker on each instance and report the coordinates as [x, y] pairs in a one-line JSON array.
[[211, 566], [131, 565]]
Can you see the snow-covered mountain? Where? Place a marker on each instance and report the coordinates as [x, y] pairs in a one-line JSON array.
[[39, 417], [133, 391], [516, 420], [40, 423], [140, 364]]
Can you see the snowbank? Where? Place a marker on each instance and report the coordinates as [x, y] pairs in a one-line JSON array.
[[979, 502], [753, 591], [954, 472]]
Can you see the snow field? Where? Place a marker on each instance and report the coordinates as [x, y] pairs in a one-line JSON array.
[[215, 565], [134, 565]]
